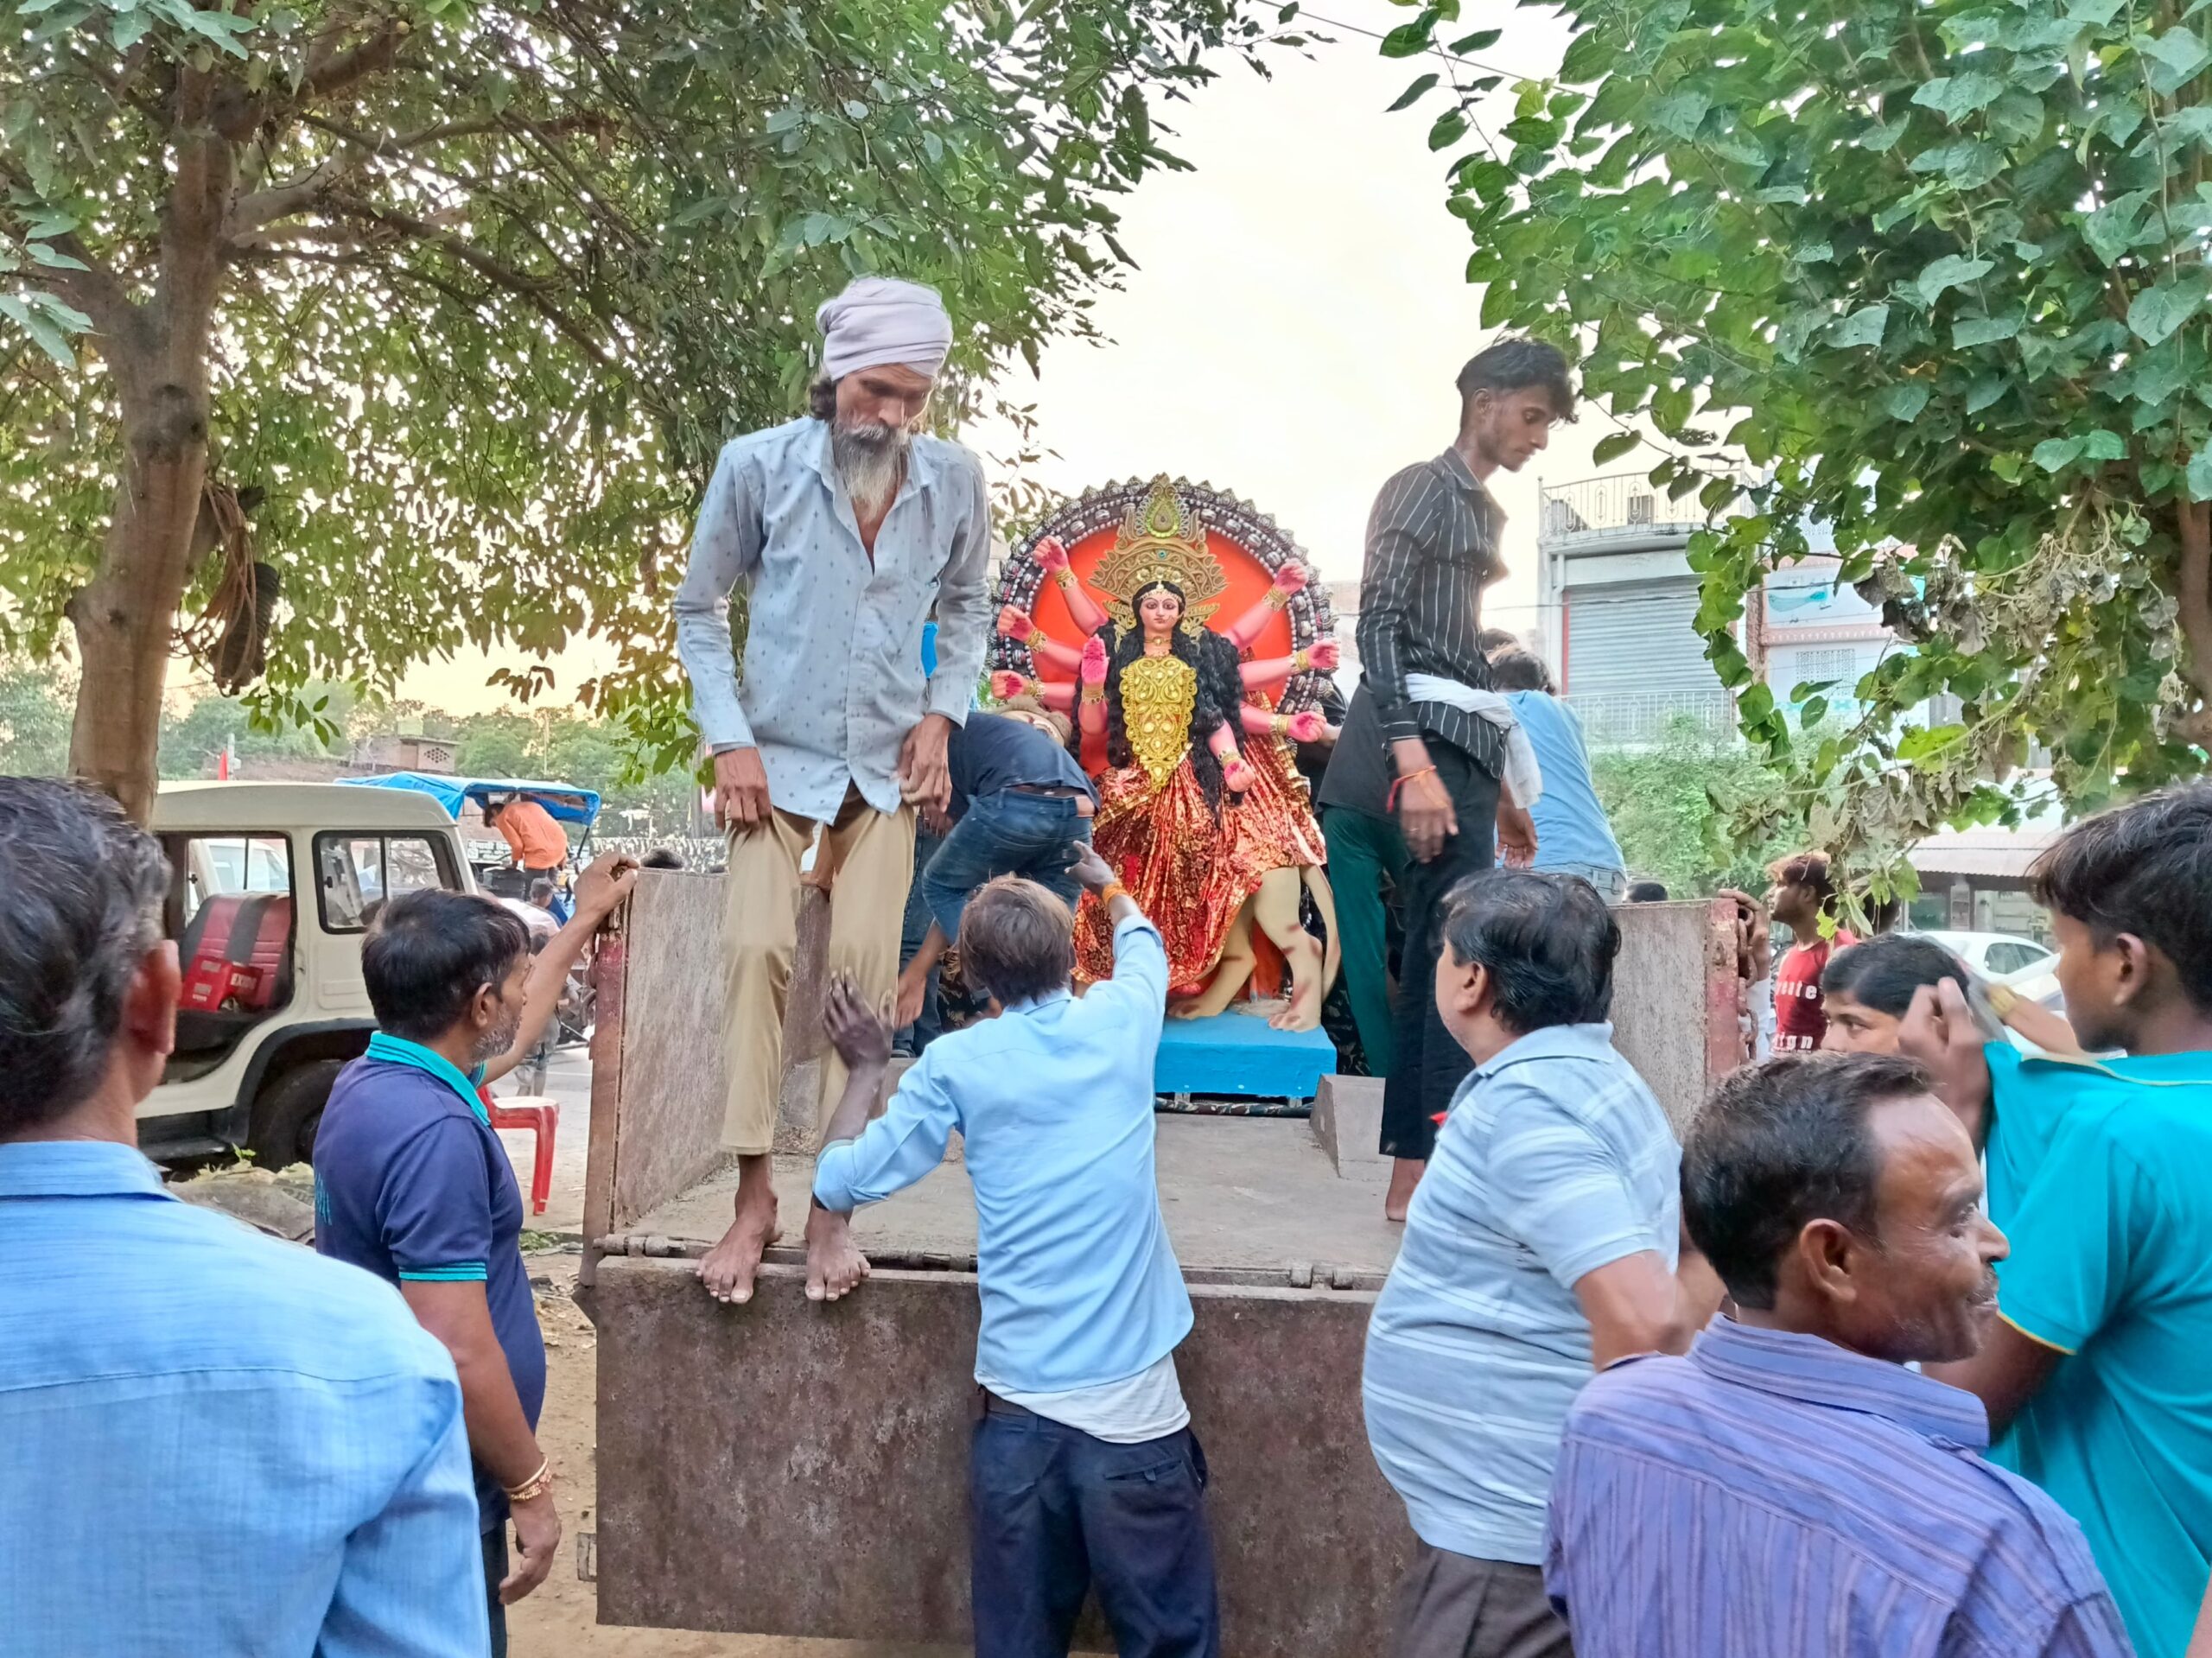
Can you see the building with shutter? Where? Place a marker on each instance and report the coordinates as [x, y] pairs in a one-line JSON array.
[[1618, 602]]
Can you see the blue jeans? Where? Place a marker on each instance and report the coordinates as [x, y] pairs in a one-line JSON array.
[[1005, 834], [1051, 1510]]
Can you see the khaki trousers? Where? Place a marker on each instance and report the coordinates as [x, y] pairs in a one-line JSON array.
[[869, 858]]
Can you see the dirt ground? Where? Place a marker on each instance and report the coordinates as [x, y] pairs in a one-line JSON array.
[[561, 1620]]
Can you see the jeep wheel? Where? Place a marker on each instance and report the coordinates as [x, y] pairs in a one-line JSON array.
[[288, 1111]]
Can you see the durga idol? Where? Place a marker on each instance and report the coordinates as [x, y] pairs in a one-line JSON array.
[[1214, 837]]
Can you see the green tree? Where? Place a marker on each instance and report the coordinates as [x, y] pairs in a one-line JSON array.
[[1672, 806], [439, 308], [1937, 270], [191, 738], [34, 721]]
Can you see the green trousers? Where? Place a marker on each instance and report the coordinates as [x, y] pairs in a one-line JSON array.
[[1364, 850]]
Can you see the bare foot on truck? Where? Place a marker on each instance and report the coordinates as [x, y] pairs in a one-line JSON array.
[[835, 1265], [731, 1265]]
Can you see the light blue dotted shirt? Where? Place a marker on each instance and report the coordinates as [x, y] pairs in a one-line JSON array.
[[833, 676]]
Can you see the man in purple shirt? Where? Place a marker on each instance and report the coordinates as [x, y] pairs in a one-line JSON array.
[[1790, 1488]]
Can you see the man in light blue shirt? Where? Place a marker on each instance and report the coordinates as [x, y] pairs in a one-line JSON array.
[[1084, 1468], [1573, 836], [210, 1441], [1542, 1244]]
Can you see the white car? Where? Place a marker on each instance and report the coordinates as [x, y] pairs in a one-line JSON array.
[[271, 888], [2020, 964]]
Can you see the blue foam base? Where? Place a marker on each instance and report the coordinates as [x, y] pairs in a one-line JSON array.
[[1237, 1054]]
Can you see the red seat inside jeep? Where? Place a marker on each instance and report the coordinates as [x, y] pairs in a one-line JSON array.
[[250, 930]]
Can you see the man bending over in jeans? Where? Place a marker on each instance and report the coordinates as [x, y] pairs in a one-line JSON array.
[[1084, 1468]]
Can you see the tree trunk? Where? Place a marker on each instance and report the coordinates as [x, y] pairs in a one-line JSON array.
[[126, 619]]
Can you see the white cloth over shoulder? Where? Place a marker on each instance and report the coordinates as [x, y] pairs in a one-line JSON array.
[[879, 320], [1523, 775]]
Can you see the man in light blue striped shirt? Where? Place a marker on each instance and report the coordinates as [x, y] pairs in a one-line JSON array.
[[1542, 1244]]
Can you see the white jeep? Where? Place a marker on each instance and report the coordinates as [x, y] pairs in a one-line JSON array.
[[272, 888]]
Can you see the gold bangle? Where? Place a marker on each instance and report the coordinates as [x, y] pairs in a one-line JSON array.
[[1065, 579], [1036, 632], [1277, 598], [2002, 1000], [1279, 724], [1300, 660], [1112, 890], [1094, 693], [536, 1486]]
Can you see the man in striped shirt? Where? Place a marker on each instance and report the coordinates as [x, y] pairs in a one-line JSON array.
[[1542, 1244], [1790, 1489], [1412, 747]]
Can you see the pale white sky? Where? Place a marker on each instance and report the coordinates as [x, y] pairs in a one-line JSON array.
[[1293, 332]]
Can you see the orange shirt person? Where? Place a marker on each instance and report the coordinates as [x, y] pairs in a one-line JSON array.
[[530, 832]]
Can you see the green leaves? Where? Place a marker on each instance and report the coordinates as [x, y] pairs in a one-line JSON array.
[[1952, 270], [2156, 312], [1969, 331], [1612, 447], [1863, 327], [1957, 96], [2175, 58], [1905, 401], [1414, 94], [1450, 127], [1409, 40]]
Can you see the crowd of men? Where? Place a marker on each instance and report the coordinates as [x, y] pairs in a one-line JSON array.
[[1896, 1352]]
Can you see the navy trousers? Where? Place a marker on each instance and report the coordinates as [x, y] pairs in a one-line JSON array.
[[1052, 1511]]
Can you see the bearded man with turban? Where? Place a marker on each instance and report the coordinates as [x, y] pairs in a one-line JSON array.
[[846, 529]]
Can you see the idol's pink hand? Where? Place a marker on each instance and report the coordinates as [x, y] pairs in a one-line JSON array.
[[1292, 578], [1325, 656], [1094, 661], [1006, 684], [1051, 556], [1013, 622], [1307, 727], [1236, 772]]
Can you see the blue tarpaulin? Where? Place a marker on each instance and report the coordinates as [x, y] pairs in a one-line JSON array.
[[563, 801]]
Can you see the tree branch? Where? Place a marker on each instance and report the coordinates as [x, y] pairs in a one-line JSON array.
[[329, 75], [535, 291], [2193, 591], [280, 202]]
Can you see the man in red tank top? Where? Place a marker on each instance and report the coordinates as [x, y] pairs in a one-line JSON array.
[[1803, 884]]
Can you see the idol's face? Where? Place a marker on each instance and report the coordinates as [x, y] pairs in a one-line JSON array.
[[1160, 611]]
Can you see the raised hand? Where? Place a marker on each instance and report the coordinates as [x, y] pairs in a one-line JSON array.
[[1051, 556], [1236, 772], [1089, 868], [1307, 726], [1006, 684], [857, 1030], [1094, 662], [605, 885], [1325, 656], [1292, 578], [1014, 622]]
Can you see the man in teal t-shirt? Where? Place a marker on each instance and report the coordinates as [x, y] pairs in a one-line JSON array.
[[2099, 1375]]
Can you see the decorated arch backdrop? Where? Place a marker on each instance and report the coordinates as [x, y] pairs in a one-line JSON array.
[[1248, 544]]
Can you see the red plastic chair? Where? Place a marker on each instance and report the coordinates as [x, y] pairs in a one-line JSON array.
[[543, 1118]]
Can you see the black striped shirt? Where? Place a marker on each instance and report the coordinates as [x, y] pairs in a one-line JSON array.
[[1431, 542]]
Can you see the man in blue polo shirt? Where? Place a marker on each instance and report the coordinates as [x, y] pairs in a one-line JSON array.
[[2100, 1174], [412, 1184], [1574, 836]]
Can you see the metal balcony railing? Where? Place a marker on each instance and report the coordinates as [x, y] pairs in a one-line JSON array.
[[1620, 504], [1617, 718]]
